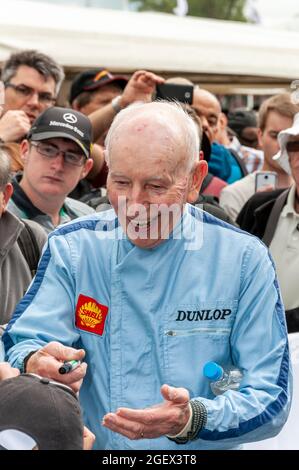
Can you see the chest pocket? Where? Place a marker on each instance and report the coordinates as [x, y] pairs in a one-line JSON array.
[[193, 335]]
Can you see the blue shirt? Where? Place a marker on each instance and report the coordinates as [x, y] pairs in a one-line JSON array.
[[149, 317]]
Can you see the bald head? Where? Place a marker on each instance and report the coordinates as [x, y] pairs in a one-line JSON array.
[[206, 98], [162, 124], [179, 81], [208, 109]]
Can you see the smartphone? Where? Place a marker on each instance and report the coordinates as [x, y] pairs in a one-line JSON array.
[[265, 178], [173, 91]]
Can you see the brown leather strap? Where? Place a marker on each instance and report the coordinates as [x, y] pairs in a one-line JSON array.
[[274, 216]]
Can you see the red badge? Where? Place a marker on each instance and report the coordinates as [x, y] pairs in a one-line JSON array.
[[90, 315]]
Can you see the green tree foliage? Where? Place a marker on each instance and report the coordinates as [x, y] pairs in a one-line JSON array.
[[218, 9]]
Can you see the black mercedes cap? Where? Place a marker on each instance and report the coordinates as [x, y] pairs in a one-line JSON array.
[[63, 122], [92, 80]]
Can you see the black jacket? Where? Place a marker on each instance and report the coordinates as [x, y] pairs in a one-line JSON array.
[[255, 214], [253, 218]]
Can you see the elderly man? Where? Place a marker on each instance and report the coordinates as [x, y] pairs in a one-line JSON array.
[[274, 217], [56, 157], [151, 295]]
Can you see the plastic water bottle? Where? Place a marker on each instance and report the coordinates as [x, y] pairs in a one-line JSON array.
[[222, 379]]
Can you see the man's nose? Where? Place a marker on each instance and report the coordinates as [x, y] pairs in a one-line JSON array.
[[33, 99], [136, 195], [136, 200], [58, 162]]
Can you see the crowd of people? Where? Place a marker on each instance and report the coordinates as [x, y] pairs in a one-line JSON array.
[[135, 241]]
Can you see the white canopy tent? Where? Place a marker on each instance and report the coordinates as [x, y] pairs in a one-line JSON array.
[[125, 41]]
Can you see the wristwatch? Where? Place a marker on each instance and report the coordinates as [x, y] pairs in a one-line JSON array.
[[115, 103]]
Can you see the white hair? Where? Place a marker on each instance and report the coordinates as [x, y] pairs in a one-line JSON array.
[[175, 114], [4, 168]]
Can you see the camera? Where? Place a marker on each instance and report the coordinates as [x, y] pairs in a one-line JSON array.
[[175, 92]]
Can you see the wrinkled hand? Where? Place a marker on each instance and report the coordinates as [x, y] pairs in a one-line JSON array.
[[7, 372], [88, 439], [14, 125], [140, 87], [168, 417], [47, 361]]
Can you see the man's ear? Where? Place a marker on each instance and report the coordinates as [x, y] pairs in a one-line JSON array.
[[25, 147], [199, 173], [7, 192], [86, 168], [260, 138]]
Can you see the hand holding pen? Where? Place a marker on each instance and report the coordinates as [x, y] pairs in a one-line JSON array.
[[47, 361]]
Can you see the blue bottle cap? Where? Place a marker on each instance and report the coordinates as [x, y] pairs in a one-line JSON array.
[[212, 371]]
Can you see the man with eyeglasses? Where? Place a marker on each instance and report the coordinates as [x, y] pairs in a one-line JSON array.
[[274, 217], [56, 155], [32, 81]]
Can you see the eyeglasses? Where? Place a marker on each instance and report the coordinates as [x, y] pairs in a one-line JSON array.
[[293, 149], [51, 152], [25, 91]]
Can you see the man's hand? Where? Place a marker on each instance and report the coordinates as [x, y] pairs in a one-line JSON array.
[[169, 417], [14, 125], [7, 372], [47, 361], [140, 87], [88, 439]]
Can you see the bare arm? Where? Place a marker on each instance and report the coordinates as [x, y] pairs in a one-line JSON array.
[[140, 87], [97, 154]]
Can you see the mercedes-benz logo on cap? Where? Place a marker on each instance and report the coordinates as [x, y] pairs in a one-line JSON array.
[[69, 117]]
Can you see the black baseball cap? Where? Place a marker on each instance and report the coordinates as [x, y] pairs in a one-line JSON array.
[[93, 79], [241, 118], [63, 122], [39, 413]]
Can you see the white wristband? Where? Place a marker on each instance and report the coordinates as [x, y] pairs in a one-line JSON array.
[[115, 103]]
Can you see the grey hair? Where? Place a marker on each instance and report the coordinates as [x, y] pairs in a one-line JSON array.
[[189, 130], [44, 64], [5, 169]]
